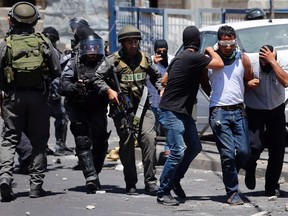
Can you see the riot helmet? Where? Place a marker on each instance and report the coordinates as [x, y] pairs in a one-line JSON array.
[[92, 44], [129, 31], [255, 14], [76, 22], [51, 33], [24, 13]]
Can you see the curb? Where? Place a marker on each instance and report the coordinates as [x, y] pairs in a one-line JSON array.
[[209, 159]]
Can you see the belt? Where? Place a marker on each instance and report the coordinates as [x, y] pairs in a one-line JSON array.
[[229, 107]]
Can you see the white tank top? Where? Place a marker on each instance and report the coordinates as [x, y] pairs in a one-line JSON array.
[[227, 84]]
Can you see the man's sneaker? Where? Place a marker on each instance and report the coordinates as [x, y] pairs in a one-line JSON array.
[[131, 190], [250, 180], [235, 199], [151, 189], [6, 190], [36, 193], [274, 192], [167, 200], [178, 189]]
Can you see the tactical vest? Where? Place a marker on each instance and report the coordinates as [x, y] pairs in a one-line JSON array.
[[26, 59], [131, 82], [83, 72]]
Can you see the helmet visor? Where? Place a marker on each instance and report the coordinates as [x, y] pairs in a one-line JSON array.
[[91, 46]]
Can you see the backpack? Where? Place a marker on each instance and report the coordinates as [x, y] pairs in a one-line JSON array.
[[26, 55]]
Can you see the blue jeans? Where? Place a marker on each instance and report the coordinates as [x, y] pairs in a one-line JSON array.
[[184, 143], [230, 129]]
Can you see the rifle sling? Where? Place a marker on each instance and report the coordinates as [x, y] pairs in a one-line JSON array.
[[137, 117]]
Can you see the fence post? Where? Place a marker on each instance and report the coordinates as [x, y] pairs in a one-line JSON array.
[[112, 26], [165, 25]]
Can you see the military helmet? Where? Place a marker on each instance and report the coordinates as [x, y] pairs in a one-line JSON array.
[[51, 33], [76, 22], [129, 31], [24, 13], [255, 14]]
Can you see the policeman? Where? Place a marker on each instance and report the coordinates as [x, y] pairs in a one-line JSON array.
[[76, 22], [56, 105], [131, 67], [24, 73], [86, 109]]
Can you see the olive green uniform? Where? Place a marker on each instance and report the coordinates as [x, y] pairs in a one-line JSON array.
[[132, 77]]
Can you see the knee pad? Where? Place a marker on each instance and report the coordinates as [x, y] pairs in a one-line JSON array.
[[79, 128], [82, 143]]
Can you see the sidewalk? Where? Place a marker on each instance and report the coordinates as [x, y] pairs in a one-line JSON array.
[[209, 159]]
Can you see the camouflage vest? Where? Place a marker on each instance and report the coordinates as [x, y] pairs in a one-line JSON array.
[[26, 58], [131, 82]]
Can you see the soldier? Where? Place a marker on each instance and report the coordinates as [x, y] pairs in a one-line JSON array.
[[127, 70], [86, 109], [28, 62], [56, 105]]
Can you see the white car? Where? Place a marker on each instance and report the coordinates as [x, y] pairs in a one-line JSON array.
[[251, 35]]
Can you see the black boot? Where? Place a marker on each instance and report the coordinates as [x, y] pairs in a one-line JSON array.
[[62, 149], [88, 169], [6, 190]]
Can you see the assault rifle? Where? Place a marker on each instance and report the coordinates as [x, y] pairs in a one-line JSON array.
[[123, 108]]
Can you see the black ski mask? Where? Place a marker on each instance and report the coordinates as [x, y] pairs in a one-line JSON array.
[[267, 68], [191, 38], [164, 55]]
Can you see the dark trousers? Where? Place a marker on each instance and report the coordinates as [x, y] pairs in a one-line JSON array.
[[25, 111], [267, 130], [146, 141]]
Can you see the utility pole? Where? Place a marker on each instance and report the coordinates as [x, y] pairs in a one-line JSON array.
[[112, 26], [272, 14]]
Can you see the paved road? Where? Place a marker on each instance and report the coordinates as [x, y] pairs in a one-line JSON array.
[[202, 183], [67, 196]]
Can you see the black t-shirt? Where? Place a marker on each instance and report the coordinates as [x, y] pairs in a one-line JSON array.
[[183, 81]]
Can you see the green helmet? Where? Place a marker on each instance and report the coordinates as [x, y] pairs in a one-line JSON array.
[[129, 31], [24, 13]]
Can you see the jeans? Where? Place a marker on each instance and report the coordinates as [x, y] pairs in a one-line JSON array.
[[230, 128], [184, 143]]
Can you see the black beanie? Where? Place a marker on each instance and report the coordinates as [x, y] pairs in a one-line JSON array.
[[160, 44], [191, 37]]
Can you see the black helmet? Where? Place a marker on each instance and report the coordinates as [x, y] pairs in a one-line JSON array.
[[51, 33], [77, 22], [129, 31], [255, 14], [24, 13], [92, 44]]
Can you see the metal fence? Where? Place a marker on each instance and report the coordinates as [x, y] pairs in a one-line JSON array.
[[168, 24]]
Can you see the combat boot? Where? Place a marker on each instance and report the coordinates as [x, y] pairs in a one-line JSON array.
[[62, 149], [89, 172], [6, 190]]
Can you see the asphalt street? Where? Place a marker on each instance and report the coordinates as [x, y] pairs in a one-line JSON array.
[[203, 185]]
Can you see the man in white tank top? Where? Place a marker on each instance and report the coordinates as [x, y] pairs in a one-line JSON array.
[[227, 115]]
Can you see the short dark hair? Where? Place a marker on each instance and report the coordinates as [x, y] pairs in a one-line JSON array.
[[226, 31]]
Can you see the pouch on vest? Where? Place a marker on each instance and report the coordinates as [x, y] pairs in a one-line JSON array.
[[26, 55]]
